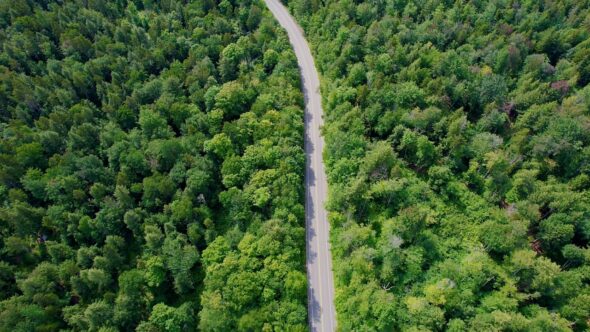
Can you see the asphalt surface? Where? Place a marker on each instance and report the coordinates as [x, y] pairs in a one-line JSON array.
[[322, 315]]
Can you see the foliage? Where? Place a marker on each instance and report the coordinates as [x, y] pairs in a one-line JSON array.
[[151, 168], [457, 152]]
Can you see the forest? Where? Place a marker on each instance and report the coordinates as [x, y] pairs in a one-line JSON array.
[[458, 161], [151, 168]]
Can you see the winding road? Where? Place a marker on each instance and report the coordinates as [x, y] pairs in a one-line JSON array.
[[320, 292]]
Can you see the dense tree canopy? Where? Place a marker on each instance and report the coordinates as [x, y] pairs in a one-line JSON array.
[[151, 168], [458, 160]]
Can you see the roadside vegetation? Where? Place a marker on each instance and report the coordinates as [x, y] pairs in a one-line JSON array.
[[458, 161], [151, 168]]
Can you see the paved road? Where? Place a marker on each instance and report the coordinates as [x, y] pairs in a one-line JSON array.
[[322, 315]]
